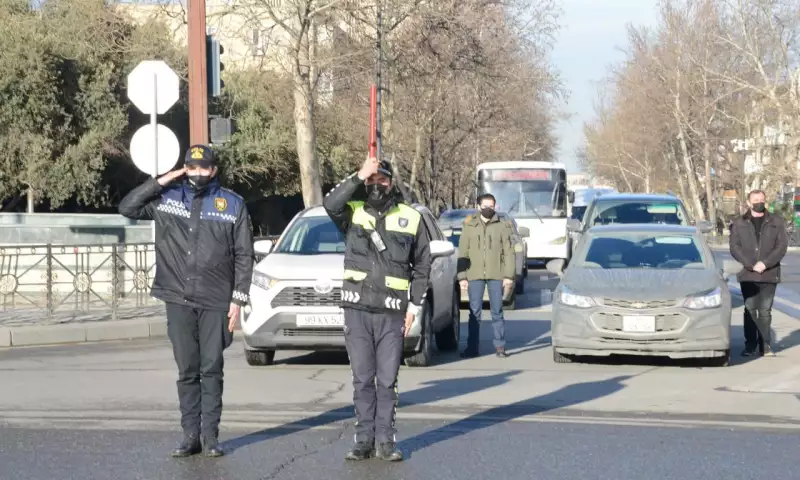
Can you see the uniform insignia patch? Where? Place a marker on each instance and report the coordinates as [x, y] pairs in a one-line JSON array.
[[197, 153], [220, 204], [403, 222]]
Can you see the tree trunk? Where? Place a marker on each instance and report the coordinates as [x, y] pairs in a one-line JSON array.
[[415, 162], [306, 143], [712, 213]]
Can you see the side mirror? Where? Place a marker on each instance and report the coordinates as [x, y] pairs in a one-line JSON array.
[[556, 266], [441, 248], [262, 247], [704, 226], [731, 267], [524, 232], [574, 225]]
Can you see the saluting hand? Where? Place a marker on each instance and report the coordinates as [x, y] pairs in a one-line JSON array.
[[169, 177], [233, 316]]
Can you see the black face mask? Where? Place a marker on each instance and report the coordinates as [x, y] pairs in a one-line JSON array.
[[487, 213], [759, 207], [198, 182], [378, 196]]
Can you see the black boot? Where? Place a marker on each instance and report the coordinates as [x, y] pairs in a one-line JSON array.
[[360, 451], [388, 451], [188, 447], [469, 353], [211, 447]]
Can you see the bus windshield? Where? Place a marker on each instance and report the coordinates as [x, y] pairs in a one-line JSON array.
[[526, 193]]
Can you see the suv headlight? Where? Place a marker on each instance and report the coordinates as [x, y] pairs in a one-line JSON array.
[[263, 280], [574, 300], [711, 299]]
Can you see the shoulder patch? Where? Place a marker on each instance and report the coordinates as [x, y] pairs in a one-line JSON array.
[[220, 204]]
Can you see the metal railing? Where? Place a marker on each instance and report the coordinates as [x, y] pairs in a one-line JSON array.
[[39, 282]]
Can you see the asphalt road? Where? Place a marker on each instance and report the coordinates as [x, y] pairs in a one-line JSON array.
[[109, 411]]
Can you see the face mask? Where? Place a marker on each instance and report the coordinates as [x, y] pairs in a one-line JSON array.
[[487, 213], [759, 207], [199, 182], [377, 195]]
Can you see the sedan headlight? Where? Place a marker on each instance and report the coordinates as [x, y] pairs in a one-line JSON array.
[[708, 300], [263, 280], [575, 300], [558, 241]]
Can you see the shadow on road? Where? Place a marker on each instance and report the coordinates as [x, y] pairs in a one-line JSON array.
[[521, 335], [564, 397], [432, 391]]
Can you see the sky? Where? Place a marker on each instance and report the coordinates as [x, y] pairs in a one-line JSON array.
[[592, 34]]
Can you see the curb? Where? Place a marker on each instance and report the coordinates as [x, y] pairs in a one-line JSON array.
[[35, 335]]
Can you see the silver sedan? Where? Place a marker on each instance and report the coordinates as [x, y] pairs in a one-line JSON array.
[[642, 290]]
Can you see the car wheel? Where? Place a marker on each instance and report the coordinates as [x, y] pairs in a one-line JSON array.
[[448, 339], [425, 356], [722, 361], [560, 358], [259, 358]]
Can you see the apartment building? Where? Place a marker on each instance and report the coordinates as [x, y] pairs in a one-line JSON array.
[[249, 37]]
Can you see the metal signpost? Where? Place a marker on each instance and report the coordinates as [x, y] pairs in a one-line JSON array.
[[153, 87]]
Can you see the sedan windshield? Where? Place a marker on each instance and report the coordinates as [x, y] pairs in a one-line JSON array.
[[643, 250], [311, 236], [607, 212]]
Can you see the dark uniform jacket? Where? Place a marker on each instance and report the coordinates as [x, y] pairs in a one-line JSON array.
[[204, 243], [380, 281], [770, 248]]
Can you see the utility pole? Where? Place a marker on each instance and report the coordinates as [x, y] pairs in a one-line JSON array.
[[198, 85], [378, 62]]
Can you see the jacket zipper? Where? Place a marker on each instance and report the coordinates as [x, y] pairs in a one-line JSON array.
[[484, 250], [758, 238]]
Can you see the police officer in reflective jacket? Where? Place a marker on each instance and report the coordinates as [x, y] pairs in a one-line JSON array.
[[204, 263], [387, 265]]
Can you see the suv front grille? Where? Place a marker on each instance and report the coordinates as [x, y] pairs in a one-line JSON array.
[[313, 332], [306, 297], [611, 302]]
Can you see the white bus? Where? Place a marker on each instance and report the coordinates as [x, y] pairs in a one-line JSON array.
[[535, 195]]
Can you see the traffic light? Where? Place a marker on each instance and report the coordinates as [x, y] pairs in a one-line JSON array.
[[214, 66]]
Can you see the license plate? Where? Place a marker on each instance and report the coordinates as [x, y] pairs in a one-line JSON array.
[[325, 320], [639, 324]]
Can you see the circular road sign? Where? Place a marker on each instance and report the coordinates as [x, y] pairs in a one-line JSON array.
[[143, 150]]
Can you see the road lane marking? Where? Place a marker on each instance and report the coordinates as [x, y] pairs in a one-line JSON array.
[[458, 422]]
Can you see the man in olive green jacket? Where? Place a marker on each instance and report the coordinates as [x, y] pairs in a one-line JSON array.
[[486, 260]]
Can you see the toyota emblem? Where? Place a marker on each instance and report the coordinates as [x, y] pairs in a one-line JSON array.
[[323, 286]]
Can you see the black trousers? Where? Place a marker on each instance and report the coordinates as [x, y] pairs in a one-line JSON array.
[[758, 298], [199, 338], [375, 347]]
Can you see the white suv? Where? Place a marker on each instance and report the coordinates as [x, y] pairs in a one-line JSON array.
[[296, 291]]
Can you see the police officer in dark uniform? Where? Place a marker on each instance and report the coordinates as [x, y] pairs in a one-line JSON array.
[[387, 265], [204, 263]]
